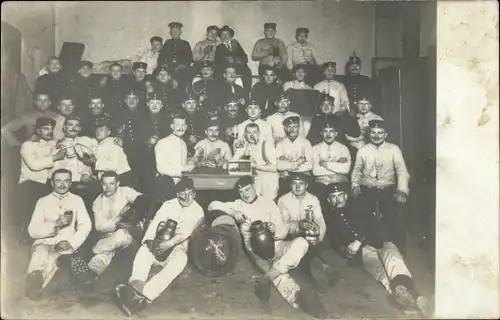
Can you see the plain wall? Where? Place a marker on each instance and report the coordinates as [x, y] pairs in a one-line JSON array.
[[118, 30]]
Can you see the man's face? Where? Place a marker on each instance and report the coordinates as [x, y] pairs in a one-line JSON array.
[[109, 186], [252, 134], [175, 33], [66, 107], [116, 72], [329, 135], [72, 128], [179, 127], [230, 75], [247, 193], [232, 109], [149, 86], [46, 132], [85, 71], [54, 65], [207, 72], [225, 36], [156, 46], [190, 106], [42, 102], [212, 133], [269, 33], [96, 106], [212, 35], [338, 199], [139, 74], [354, 69], [163, 76], [269, 76], [298, 187], [283, 105], [327, 107], [377, 135], [364, 106], [302, 37], [292, 130], [61, 182], [253, 112], [101, 133], [329, 73], [186, 197], [300, 74], [155, 106], [132, 101]]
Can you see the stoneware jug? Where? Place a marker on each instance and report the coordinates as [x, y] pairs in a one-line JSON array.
[[262, 240]]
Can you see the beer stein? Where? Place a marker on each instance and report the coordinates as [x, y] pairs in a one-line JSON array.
[[262, 240], [165, 231]]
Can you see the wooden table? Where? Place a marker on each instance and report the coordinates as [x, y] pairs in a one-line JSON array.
[[212, 179]]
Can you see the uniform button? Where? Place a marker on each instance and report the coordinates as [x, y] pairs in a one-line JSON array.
[[355, 234]]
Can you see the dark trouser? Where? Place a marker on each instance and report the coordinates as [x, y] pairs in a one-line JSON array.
[[391, 212], [28, 195], [282, 73], [323, 252]]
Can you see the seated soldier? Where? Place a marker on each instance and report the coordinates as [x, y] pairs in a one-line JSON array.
[[206, 88], [263, 157], [288, 253], [267, 91], [96, 112], [82, 86], [158, 249], [138, 81], [230, 117], [276, 120], [204, 50], [166, 87], [253, 111], [150, 55], [109, 208], [294, 153], [360, 234], [65, 108], [380, 175], [27, 122], [54, 82], [364, 115], [227, 86], [304, 52], [114, 87], [271, 52], [331, 161], [333, 88], [195, 119], [59, 226], [299, 82], [212, 152]]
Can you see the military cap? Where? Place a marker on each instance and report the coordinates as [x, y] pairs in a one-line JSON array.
[[243, 182], [270, 25], [337, 187], [96, 94], [299, 176], [253, 102], [175, 25], [184, 184], [205, 64], [299, 66], [139, 65], [154, 96], [115, 64], [354, 59], [212, 122], [190, 96], [329, 122], [156, 39], [291, 120], [86, 63], [228, 29], [45, 121], [42, 91], [101, 122], [232, 98], [161, 68], [329, 64], [376, 124], [285, 95], [131, 92], [212, 27], [73, 117], [67, 95], [264, 68], [302, 30]]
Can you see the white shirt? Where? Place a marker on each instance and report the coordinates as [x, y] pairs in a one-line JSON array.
[[264, 129], [48, 209], [36, 160], [58, 128], [263, 153], [106, 209], [335, 171], [171, 157], [74, 164], [275, 121], [210, 147], [294, 209], [336, 90], [288, 152], [363, 120], [187, 219], [295, 84], [110, 157], [302, 53], [150, 57], [380, 166]]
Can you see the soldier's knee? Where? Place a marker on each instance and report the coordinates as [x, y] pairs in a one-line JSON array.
[[301, 245]]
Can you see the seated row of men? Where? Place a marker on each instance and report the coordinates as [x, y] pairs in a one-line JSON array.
[[302, 229]]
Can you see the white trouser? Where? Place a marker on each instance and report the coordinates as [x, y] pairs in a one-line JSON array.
[[106, 247], [172, 267], [44, 259], [384, 264], [287, 256], [267, 184]]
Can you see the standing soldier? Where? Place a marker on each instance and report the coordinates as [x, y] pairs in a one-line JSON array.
[[304, 52], [206, 88], [167, 88], [204, 50], [333, 88], [150, 55], [115, 88], [267, 91], [355, 83], [271, 51], [176, 54]]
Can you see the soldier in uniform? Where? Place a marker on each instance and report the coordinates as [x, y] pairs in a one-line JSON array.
[[254, 112], [267, 91], [227, 86], [167, 88], [54, 83], [333, 88], [204, 50], [114, 88], [96, 113], [355, 83], [276, 120], [271, 51], [82, 85], [230, 117], [212, 152], [231, 52], [304, 52], [138, 81], [177, 55], [364, 115], [150, 55], [299, 72], [206, 88], [195, 119]]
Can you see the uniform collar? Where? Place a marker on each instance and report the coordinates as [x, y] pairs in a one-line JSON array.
[[379, 146], [105, 140], [60, 196]]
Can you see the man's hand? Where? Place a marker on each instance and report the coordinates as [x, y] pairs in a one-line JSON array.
[[63, 221], [85, 178], [162, 247], [153, 140], [193, 139], [306, 225], [241, 101], [239, 144], [63, 246], [278, 140], [323, 163], [59, 155], [353, 248], [239, 216], [208, 49], [271, 227], [276, 60], [356, 192], [119, 142], [122, 225], [342, 160], [400, 197]]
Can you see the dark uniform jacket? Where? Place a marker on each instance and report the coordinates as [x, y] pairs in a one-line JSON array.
[[115, 91], [207, 88], [344, 125], [89, 122], [81, 89], [357, 86], [139, 87], [170, 96], [130, 128], [266, 96], [225, 90], [236, 55], [53, 84], [175, 52], [226, 123], [195, 127]]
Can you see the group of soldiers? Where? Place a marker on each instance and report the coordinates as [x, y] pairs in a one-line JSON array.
[[118, 148]]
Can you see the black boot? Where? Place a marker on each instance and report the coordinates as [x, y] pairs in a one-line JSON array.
[[262, 288], [34, 285], [310, 305]]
